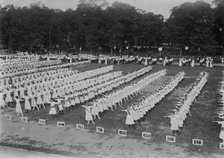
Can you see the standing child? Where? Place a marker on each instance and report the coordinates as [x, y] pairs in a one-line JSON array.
[[52, 111], [18, 107], [27, 103], [88, 116]]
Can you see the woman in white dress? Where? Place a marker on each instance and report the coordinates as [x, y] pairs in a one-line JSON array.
[[129, 118], [21, 90], [86, 98], [40, 100], [60, 106], [29, 90], [77, 101], [2, 102], [81, 98], [88, 116], [18, 107], [27, 103], [46, 100], [8, 99], [15, 93], [174, 125], [52, 111], [221, 135], [34, 103], [67, 103], [95, 111]]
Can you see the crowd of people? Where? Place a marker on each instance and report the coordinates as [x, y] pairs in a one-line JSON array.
[[113, 98], [37, 84], [182, 110], [221, 110], [124, 93], [136, 112], [207, 61], [13, 67]]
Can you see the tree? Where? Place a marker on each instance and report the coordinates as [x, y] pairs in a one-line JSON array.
[[218, 26], [190, 24]]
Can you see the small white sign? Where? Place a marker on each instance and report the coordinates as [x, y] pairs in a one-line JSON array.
[[80, 126], [8, 117], [171, 139], [100, 130], [221, 146], [122, 132], [60, 124], [42, 121], [146, 135], [24, 119], [198, 142]]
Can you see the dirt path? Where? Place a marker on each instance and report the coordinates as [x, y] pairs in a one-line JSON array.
[[71, 142]]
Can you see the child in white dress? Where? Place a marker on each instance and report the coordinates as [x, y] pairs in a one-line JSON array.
[[2, 102], [129, 118], [52, 111], [27, 103], [18, 107], [88, 116]]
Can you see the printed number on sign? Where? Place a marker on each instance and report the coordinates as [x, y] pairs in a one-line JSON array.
[[122, 132], [8, 117], [198, 142], [221, 145], [100, 129], [42, 121], [146, 135], [80, 126], [24, 119], [60, 124], [171, 139]]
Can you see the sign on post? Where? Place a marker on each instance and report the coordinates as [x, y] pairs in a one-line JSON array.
[[122, 132], [80, 126], [197, 142], [171, 139], [24, 119], [42, 121], [221, 146], [8, 117], [100, 130], [146, 135], [60, 124]]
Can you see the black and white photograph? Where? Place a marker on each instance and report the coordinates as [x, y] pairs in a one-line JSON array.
[[112, 78]]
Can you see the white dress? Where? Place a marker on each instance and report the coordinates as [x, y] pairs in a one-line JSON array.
[[72, 102], [60, 107], [174, 124], [100, 107], [221, 135], [81, 99], [52, 109], [33, 102], [129, 119], [95, 111], [27, 103], [77, 101], [18, 106], [39, 100], [67, 104], [45, 98], [2, 102], [16, 94], [21, 92], [8, 97], [88, 116]]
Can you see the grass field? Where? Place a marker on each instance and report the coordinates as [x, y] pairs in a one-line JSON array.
[[198, 126]]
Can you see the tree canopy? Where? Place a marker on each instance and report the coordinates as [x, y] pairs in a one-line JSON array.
[[95, 25]]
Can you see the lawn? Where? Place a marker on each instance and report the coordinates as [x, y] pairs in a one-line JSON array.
[[198, 126]]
